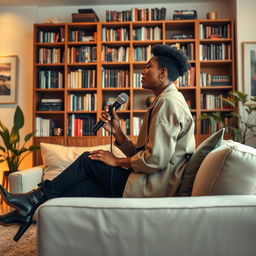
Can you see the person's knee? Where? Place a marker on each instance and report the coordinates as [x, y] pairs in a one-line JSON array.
[[85, 154]]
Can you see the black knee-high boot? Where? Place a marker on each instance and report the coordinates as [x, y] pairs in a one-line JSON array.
[[25, 204]]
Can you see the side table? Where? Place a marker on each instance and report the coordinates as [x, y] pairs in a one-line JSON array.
[[5, 182]]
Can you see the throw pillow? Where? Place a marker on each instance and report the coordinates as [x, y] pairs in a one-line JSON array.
[[227, 170], [57, 158], [195, 161]]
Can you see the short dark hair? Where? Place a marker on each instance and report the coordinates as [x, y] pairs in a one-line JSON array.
[[174, 60]]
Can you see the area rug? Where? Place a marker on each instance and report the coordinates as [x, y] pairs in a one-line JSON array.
[[26, 246]]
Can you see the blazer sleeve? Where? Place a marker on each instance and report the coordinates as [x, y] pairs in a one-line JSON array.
[[163, 133], [128, 147]]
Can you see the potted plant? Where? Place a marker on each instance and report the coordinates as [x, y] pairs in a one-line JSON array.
[[240, 124], [12, 151]]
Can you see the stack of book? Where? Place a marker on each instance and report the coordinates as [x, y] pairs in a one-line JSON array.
[[184, 14], [85, 15], [50, 105]]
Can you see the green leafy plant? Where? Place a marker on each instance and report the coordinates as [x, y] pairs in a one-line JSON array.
[[239, 124], [12, 151]]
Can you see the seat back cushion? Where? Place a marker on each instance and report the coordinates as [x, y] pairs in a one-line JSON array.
[[57, 158], [227, 170], [195, 161]]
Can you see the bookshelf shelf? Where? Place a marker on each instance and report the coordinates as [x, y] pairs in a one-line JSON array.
[[217, 109], [91, 78]]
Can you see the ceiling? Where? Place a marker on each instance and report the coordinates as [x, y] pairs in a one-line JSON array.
[[92, 2]]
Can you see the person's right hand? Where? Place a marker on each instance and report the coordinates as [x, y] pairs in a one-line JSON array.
[[115, 122]]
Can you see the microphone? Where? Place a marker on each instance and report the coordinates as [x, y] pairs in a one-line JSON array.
[[121, 99]]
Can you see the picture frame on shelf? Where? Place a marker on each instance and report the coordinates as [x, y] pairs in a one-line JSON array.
[[249, 69], [8, 79]]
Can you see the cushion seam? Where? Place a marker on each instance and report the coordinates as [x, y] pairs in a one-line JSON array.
[[219, 171]]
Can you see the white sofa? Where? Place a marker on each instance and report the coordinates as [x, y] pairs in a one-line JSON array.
[[221, 223]]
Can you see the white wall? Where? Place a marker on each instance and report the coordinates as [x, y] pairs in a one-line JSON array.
[[16, 30], [245, 25]]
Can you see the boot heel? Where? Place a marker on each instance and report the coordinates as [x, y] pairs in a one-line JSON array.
[[23, 228]]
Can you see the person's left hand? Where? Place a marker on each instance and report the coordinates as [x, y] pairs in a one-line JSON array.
[[103, 156]]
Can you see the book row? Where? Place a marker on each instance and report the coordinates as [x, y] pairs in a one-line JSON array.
[[213, 101], [147, 33], [82, 78], [82, 102], [80, 125], [50, 55], [188, 79], [215, 51], [187, 48], [44, 127], [112, 78], [82, 54], [207, 79], [136, 14], [48, 79], [115, 54], [210, 127], [115, 34], [215, 31], [51, 37], [82, 35]]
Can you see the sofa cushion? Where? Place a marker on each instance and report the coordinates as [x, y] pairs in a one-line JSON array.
[[228, 170], [57, 158], [195, 161]]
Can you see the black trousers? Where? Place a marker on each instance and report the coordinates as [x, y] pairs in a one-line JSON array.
[[87, 178]]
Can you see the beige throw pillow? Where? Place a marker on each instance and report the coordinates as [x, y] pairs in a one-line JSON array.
[[227, 170], [57, 158]]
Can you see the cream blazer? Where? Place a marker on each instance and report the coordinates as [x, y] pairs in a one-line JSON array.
[[166, 136]]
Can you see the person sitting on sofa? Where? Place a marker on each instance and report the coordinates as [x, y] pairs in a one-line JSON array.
[[166, 137]]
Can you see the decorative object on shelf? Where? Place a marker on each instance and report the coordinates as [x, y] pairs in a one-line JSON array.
[[185, 14], [12, 152], [58, 131], [8, 70], [85, 15], [249, 70], [211, 15], [53, 20], [239, 124]]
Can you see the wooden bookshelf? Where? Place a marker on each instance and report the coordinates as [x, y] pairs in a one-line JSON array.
[[75, 58]]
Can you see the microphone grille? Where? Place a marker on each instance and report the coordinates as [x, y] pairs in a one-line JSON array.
[[122, 98]]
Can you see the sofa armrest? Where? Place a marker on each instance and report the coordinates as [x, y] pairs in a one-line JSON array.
[[25, 180], [213, 225]]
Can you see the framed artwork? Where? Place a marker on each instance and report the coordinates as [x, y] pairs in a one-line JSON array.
[[8, 68], [249, 69]]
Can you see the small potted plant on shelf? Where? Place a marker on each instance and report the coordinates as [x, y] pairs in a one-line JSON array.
[[12, 151], [240, 123]]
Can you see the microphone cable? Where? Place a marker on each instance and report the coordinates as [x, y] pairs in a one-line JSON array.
[[111, 150]]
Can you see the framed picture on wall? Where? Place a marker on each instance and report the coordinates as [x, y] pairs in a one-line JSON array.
[[249, 69], [8, 68]]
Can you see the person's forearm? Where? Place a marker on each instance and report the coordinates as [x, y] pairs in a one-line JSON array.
[[124, 162], [120, 137]]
